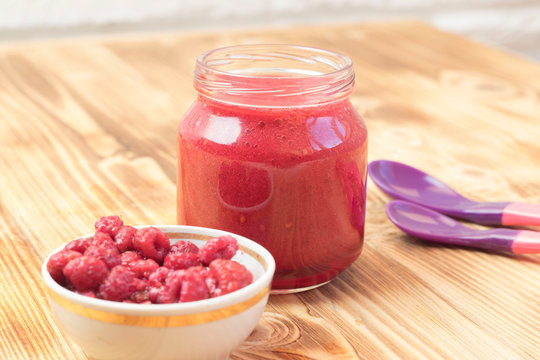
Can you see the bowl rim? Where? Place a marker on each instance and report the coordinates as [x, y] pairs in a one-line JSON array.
[[257, 286]]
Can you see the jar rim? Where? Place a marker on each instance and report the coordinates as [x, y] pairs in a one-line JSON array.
[[201, 59], [264, 73]]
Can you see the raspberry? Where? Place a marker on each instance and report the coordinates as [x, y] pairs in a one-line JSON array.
[[124, 238], [140, 297], [181, 261], [140, 284], [79, 245], [88, 293], [141, 291], [129, 257], [118, 285], [184, 286], [184, 246], [85, 272], [58, 261], [134, 302], [151, 243], [170, 293], [158, 277], [129, 301], [193, 286], [143, 268], [109, 224], [223, 247], [102, 239], [109, 255], [230, 276], [155, 283], [121, 263], [211, 282], [153, 294]]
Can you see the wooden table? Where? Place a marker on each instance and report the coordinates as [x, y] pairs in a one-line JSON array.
[[88, 127]]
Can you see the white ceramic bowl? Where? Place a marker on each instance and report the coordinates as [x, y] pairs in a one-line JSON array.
[[205, 329]]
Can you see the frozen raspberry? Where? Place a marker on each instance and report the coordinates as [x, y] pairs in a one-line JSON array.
[[181, 261], [170, 293], [223, 247], [152, 243], [154, 293], [156, 280], [140, 284], [58, 261], [124, 238], [79, 245], [118, 285], [102, 239], [109, 224], [184, 246], [121, 263], [88, 293], [135, 302], [85, 272], [230, 276], [109, 255], [183, 286], [140, 295], [143, 268], [194, 286], [158, 277], [129, 257], [211, 282]]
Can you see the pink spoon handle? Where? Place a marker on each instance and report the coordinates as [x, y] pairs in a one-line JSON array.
[[526, 242], [521, 214]]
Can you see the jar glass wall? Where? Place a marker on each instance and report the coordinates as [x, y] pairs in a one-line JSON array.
[[273, 150]]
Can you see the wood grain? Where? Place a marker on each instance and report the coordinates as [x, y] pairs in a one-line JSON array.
[[88, 128]]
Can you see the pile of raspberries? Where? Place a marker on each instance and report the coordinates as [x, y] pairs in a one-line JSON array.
[[121, 263]]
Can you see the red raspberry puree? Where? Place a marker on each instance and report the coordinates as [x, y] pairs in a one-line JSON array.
[[291, 178]]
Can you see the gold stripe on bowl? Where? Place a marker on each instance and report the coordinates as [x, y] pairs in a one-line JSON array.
[[159, 320]]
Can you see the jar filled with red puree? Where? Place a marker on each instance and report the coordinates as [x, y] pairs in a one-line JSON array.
[[273, 150]]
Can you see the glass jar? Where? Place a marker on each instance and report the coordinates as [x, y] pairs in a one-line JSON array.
[[273, 150]]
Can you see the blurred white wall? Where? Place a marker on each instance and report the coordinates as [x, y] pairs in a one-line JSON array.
[[510, 24]]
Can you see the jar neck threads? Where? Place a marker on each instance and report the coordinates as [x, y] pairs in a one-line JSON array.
[[269, 75]]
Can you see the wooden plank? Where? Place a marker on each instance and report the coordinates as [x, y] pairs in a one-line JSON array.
[[88, 128]]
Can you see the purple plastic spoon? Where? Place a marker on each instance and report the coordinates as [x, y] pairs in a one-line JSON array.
[[407, 183], [430, 225]]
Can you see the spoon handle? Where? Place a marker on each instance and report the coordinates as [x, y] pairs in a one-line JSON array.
[[502, 239], [526, 242], [521, 214]]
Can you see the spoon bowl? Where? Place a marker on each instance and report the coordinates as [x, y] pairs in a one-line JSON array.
[[407, 183], [400, 180], [422, 222]]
